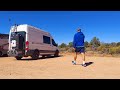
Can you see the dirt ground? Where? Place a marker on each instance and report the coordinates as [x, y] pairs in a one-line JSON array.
[[60, 68]]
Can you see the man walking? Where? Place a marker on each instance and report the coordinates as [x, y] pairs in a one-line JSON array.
[[78, 45]]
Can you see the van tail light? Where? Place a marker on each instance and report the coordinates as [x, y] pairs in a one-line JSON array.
[[27, 45]]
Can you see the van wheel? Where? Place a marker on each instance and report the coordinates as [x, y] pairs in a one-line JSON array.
[[56, 53], [18, 58], [0, 53], [5, 55], [35, 55], [43, 56]]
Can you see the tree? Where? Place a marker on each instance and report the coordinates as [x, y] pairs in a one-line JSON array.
[[70, 44], [113, 44], [95, 42], [86, 44], [118, 44], [63, 45]]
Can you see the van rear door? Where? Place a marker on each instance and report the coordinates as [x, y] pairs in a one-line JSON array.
[[18, 40]]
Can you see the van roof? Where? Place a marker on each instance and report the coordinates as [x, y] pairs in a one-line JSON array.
[[33, 27]]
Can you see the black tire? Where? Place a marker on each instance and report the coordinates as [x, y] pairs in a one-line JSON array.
[[5, 55], [43, 56], [35, 55], [56, 53], [0, 54], [18, 58]]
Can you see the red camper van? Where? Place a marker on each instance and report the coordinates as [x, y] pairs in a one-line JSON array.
[[4, 44]]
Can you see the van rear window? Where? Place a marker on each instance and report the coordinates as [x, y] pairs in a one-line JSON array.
[[16, 33], [46, 39]]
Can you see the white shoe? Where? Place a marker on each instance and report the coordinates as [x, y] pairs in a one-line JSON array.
[[73, 62], [84, 65]]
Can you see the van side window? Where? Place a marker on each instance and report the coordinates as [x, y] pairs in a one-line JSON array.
[[53, 42], [46, 39]]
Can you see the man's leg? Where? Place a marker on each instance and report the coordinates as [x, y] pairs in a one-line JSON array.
[[75, 57], [83, 57]]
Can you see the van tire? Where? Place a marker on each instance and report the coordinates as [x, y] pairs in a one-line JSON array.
[[43, 56], [0, 53], [56, 53], [35, 55], [5, 55], [18, 58]]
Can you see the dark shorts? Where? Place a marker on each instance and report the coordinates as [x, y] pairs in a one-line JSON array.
[[80, 49]]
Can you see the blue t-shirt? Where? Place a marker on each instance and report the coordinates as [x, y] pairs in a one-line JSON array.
[[78, 40]]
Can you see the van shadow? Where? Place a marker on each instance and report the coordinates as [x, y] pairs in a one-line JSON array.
[[5, 55], [87, 63], [42, 58]]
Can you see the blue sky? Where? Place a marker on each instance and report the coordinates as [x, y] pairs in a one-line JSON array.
[[63, 24]]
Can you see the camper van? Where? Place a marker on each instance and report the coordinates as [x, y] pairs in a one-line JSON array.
[[26, 40], [3, 44]]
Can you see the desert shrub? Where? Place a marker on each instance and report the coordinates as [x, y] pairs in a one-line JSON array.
[[118, 50], [114, 50], [103, 49], [70, 44], [118, 44], [95, 42], [63, 45], [70, 50], [86, 44], [88, 49]]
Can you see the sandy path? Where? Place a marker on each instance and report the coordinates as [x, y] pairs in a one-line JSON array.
[[60, 68]]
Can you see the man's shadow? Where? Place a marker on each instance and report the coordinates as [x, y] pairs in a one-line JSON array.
[[87, 63]]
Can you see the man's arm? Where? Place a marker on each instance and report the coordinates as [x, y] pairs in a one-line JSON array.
[[74, 41]]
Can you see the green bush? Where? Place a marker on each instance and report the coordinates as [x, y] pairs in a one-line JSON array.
[[103, 49], [114, 50], [63, 45], [118, 50], [88, 49], [94, 46]]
